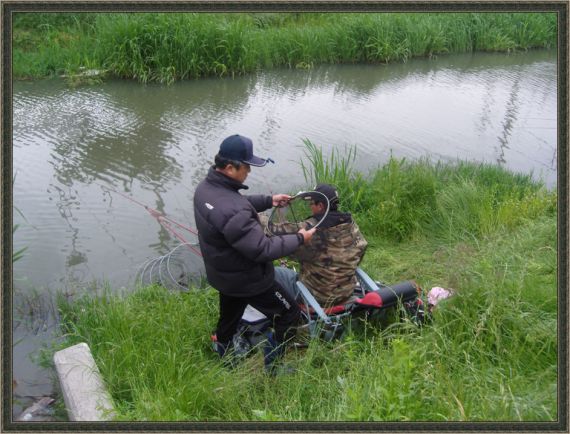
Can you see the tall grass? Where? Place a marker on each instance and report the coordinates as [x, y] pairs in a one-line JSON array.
[[168, 47], [336, 170], [18, 254], [403, 199], [489, 355], [47, 44]]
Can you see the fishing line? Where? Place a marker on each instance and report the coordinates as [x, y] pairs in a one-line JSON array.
[[179, 268], [162, 219], [153, 212]]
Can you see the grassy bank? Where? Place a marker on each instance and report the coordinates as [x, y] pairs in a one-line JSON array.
[[490, 354], [168, 47]]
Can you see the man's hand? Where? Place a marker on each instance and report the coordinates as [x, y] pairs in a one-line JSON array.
[[307, 234], [280, 199]]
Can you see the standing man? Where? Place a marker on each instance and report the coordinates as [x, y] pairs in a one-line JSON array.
[[237, 254]]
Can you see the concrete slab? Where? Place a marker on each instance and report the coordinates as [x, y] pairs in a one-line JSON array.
[[84, 392]]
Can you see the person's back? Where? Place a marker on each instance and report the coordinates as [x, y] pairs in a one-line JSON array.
[[329, 262]]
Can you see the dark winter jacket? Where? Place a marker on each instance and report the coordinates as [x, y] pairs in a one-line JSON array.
[[237, 254]]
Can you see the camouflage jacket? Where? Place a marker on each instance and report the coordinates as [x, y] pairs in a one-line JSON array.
[[329, 260]]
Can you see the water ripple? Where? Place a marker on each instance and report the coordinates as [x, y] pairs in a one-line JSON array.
[[157, 142]]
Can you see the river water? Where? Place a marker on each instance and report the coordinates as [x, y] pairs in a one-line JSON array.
[[154, 143]]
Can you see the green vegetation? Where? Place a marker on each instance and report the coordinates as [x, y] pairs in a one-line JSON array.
[[453, 201], [168, 47], [489, 355], [18, 254]]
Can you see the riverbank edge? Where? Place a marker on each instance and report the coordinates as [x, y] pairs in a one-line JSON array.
[[396, 260], [158, 49]]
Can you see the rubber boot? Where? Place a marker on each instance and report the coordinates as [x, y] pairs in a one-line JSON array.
[[273, 352]]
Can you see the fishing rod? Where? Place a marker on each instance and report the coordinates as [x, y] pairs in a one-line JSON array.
[[162, 219]]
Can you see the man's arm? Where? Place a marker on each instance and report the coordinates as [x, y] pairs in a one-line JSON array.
[[306, 252], [262, 202], [246, 235]]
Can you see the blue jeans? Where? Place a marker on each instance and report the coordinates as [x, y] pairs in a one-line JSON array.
[[287, 278]]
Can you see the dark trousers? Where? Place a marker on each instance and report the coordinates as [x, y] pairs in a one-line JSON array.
[[275, 303]]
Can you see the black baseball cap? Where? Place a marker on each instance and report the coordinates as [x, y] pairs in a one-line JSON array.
[[240, 148]]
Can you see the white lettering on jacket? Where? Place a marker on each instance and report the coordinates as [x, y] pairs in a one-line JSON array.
[[285, 302], [209, 206]]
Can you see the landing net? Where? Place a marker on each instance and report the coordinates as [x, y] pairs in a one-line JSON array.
[[179, 270], [297, 213]]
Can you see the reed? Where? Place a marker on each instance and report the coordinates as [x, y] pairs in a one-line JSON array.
[[405, 199], [48, 44], [489, 355], [168, 47], [19, 253], [336, 170]]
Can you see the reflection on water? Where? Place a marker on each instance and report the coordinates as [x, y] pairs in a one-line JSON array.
[[155, 143], [511, 114]]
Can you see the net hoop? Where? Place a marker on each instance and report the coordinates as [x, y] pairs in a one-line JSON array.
[[302, 195], [177, 270]]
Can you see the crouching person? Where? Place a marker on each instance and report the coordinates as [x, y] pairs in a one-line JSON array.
[[329, 262], [237, 253]]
